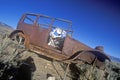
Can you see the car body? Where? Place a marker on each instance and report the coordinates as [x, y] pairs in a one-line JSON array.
[[52, 37]]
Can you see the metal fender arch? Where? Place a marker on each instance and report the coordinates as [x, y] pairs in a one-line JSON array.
[[89, 56], [15, 32], [85, 55], [21, 33], [101, 56]]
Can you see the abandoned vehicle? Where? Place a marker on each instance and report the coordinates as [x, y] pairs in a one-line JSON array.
[[52, 37]]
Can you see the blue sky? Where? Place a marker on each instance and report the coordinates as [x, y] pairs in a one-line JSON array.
[[95, 22]]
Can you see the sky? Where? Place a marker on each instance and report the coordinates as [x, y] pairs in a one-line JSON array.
[[95, 22]]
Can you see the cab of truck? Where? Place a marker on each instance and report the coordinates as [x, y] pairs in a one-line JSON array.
[[44, 30], [52, 37]]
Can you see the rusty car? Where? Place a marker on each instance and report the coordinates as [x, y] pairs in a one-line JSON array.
[[52, 37]]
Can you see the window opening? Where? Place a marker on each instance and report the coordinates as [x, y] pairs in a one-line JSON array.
[[57, 37], [30, 19], [44, 22]]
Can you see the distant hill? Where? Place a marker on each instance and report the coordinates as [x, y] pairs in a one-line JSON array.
[[114, 59], [4, 25], [5, 29]]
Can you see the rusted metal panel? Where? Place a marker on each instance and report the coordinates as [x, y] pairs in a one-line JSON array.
[[79, 46], [68, 46], [51, 53], [87, 57], [43, 36], [39, 36], [72, 46]]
